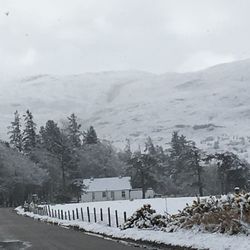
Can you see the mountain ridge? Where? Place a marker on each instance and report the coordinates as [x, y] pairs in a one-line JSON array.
[[137, 104]]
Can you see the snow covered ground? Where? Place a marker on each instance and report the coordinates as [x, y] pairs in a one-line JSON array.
[[171, 205], [161, 205], [186, 238]]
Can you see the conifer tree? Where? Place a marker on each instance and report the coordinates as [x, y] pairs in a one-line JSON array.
[[74, 132], [142, 171], [29, 133], [51, 137], [178, 149], [91, 136], [127, 152], [15, 133], [59, 145], [231, 170], [149, 146], [193, 163]]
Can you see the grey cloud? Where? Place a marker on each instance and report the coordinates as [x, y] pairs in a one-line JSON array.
[[65, 37]]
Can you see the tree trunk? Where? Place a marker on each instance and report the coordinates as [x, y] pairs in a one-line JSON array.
[[63, 175], [199, 181], [143, 186]]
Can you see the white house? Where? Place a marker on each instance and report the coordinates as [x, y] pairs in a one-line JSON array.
[[113, 188]]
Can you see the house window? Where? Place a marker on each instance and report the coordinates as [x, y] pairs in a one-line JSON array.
[[93, 196], [104, 194], [123, 194]]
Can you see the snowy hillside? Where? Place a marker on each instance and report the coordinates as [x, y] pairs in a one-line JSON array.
[[211, 106]]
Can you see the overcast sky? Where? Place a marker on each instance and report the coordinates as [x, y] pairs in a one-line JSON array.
[[77, 36]]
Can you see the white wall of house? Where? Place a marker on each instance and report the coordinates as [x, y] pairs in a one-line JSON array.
[[137, 193], [116, 195], [105, 195], [150, 193]]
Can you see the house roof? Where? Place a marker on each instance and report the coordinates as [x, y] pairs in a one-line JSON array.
[[107, 184]]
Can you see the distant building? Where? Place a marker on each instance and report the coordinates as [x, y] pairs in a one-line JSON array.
[[113, 188]]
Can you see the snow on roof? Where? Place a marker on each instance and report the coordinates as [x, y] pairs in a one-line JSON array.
[[103, 184]]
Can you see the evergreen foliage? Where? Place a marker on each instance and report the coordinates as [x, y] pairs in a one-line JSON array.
[[231, 171], [73, 131], [19, 177], [62, 160], [142, 169], [15, 133], [29, 133], [91, 136]]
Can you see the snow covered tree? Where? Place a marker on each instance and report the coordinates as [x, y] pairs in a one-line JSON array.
[[29, 133], [99, 160], [126, 153], [51, 136], [178, 150], [193, 163], [73, 131], [231, 170], [19, 176], [59, 145], [185, 163], [149, 146], [142, 171], [160, 167], [15, 133], [178, 144], [91, 136]]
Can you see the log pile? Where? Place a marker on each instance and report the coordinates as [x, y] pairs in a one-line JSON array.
[[146, 218], [229, 214]]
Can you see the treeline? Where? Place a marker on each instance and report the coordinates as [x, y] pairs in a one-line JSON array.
[[62, 156], [52, 161], [185, 170]]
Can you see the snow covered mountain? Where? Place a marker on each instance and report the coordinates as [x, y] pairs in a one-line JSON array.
[[210, 106]]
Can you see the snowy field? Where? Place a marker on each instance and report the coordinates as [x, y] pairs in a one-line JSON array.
[[161, 205]]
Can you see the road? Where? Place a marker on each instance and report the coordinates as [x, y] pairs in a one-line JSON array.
[[26, 233]]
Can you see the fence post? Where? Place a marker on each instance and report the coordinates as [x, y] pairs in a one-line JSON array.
[[77, 214], [101, 214], [95, 214], [49, 211], [109, 218], [58, 214], [116, 218], [69, 214], [73, 214], [55, 214], [62, 214], [125, 216], [52, 212], [82, 214], [65, 215], [88, 214]]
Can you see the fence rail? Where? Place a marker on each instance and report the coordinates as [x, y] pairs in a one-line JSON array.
[[83, 214]]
